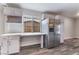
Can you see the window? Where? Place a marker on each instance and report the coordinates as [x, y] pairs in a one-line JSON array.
[[36, 26], [28, 27], [32, 25]]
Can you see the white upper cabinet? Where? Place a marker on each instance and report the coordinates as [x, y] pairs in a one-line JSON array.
[[12, 11]]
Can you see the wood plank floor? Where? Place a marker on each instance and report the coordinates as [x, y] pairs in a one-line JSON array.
[[70, 47]]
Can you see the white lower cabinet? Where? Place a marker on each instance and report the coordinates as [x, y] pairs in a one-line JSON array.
[[4, 46], [14, 46], [10, 45]]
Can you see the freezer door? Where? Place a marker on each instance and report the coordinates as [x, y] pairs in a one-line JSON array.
[[50, 40], [53, 38], [57, 35]]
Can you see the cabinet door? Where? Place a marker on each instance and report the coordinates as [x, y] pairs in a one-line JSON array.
[[9, 11], [17, 12], [4, 46], [14, 45], [12, 11]]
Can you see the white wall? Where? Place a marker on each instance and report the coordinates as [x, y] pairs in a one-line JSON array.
[[76, 28], [69, 29], [30, 40], [32, 13], [13, 28], [73, 27]]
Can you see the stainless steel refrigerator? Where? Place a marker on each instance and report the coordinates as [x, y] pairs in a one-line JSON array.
[[52, 29]]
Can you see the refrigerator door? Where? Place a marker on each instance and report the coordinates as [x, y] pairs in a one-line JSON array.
[[50, 40], [53, 37], [53, 40], [57, 35]]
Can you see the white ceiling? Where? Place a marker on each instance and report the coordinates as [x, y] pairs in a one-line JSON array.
[[68, 9]]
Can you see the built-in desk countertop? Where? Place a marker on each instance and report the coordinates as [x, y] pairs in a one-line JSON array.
[[22, 34], [11, 42]]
